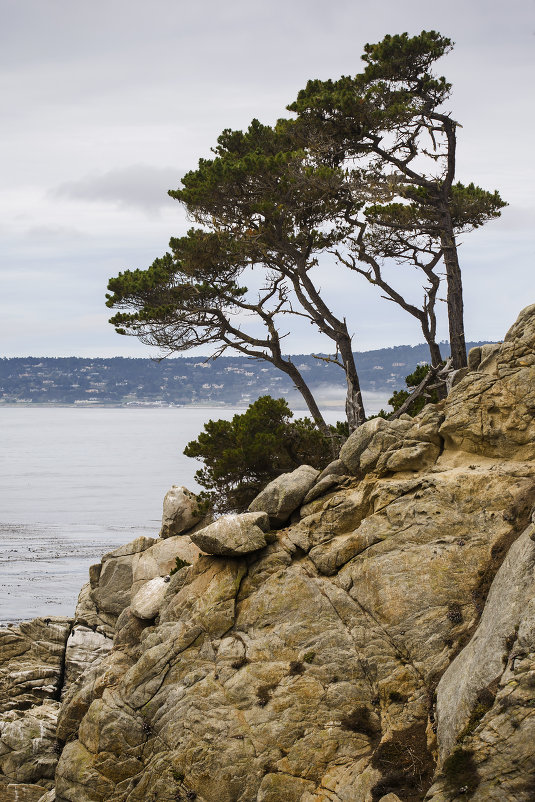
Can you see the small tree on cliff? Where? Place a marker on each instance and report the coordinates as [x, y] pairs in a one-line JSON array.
[[242, 455], [390, 121]]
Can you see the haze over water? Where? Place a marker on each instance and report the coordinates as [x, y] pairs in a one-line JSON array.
[[77, 483]]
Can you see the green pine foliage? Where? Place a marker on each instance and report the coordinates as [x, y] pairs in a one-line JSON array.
[[243, 455], [412, 381], [400, 396]]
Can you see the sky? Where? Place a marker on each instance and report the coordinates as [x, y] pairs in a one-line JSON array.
[[106, 104]]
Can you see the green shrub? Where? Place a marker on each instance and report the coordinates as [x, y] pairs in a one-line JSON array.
[[179, 563], [400, 396], [243, 455]]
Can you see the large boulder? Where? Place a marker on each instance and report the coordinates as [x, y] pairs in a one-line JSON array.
[[358, 441], [27, 746], [491, 412], [464, 688], [285, 494], [31, 662], [234, 535], [405, 444], [485, 716], [123, 572], [181, 511], [148, 600]]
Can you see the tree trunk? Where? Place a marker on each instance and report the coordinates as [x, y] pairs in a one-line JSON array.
[[336, 330], [434, 348], [455, 292], [354, 404], [436, 356], [313, 408]]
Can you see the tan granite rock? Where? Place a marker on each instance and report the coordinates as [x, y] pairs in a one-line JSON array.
[[265, 676], [27, 745], [84, 647], [285, 494], [485, 699], [124, 571], [31, 678], [492, 410]]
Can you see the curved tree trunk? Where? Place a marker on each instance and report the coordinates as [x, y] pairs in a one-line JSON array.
[[301, 385], [434, 348], [337, 331]]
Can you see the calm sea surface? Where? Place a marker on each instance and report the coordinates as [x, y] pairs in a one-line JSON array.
[[76, 483]]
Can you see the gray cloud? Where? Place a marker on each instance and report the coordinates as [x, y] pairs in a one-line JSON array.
[[137, 186]]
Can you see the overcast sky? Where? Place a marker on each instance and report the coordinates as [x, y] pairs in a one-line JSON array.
[[106, 104]]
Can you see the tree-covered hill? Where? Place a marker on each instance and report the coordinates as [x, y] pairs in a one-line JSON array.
[[234, 381]]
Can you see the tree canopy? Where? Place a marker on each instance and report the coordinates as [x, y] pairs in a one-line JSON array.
[[390, 121]]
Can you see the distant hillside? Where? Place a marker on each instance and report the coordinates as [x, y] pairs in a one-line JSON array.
[[234, 381]]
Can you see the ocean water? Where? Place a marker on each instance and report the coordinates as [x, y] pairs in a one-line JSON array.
[[77, 483]]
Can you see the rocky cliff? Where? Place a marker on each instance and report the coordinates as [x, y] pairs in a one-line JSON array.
[[366, 634]]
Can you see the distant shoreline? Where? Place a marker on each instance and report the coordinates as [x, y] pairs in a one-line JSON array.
[[63, 405], [104, 405]]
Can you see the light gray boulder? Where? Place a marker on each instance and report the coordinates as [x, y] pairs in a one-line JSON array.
[[334, 468], [285, 494], [124, 572], [358, 442], [234, 535], [84, 648], [180, 511], [50, 796], [148, 600]]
